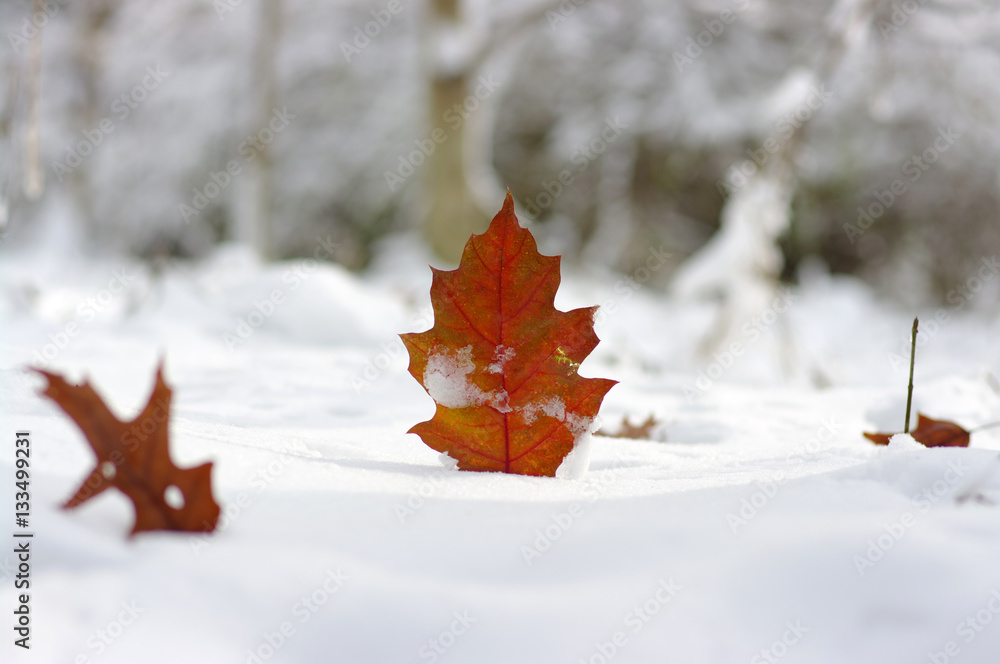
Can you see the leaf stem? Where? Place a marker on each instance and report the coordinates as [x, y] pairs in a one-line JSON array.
[[909, 388], [985, 426]]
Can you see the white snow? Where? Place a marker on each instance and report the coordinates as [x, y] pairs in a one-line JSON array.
[[902, 443], [553, 407], [504, 355], [575, 465], [446, 378], [766, 522]]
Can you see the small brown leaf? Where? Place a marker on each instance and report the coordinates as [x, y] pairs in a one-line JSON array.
[[929, 432], [134, 457], [642, 431]]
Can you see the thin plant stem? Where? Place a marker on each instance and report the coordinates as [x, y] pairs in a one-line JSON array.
[[985, 426], [909, 388]]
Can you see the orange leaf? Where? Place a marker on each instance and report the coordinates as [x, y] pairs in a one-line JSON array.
[[501, 362], [134, 457], [931, 433]]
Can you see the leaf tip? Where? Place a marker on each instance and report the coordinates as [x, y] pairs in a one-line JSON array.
[[877, 438], [507, 212]]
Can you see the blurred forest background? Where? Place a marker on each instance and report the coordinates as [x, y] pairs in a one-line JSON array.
[[756, 133]]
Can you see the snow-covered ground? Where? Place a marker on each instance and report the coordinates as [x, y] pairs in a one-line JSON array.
[[760, 526]]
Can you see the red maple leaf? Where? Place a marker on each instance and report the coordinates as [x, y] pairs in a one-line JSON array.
[[501, 362], [134, 457], [929, 432]]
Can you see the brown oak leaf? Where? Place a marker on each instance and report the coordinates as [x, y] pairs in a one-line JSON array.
[[642, 431], [929, 432], [501, 362], [134, 457]]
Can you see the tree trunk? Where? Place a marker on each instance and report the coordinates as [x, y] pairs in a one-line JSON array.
[[265, 95], [34, 177], [453, 213]]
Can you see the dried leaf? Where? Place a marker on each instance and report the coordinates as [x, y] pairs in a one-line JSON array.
[[929, 432], [642, 431], [134, 457], [501, 362]]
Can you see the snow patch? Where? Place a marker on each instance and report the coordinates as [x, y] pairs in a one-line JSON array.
[[446, 379], [449, 462], [553, 407], [578, 460], [503, 355], [556, 407], [576, 463], [904, 442]]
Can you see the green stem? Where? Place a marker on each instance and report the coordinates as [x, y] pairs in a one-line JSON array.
[[909, 388]]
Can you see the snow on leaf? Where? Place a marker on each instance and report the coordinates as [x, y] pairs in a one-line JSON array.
[[503, 356], [134, 457], [446, 380], [501, 362]]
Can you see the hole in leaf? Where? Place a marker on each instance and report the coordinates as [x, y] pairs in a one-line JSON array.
[[174, 497], [108, 470]]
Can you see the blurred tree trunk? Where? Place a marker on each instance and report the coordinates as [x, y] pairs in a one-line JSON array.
[[740, 265], [615, 232], [90, 62], [461, 166], [9, 99], [266, 97], [453, 214], [34, 176]]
